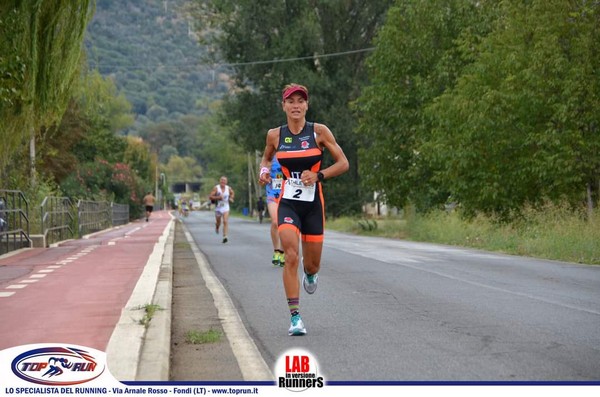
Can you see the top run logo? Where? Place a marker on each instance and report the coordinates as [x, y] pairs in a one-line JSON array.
[[57, 365]]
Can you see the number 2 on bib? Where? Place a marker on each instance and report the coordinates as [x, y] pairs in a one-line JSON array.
[[296, 190]]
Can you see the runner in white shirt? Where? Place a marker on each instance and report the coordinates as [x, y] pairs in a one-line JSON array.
[[223, 195]]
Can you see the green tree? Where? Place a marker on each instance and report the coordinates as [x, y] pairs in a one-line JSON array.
[[57, 157], [219, 154], [88, 128], [137, 155], [103, 181], [166, 152], [257, 31], [102, 165], [521, 125], [418, 57], [148, 49], [41, 49], [183, 169], [106, 112], [176, 133]]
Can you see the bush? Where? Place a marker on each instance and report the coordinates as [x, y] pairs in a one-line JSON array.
[[103, 181]]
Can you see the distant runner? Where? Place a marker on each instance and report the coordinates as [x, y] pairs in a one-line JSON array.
[[149, 204], [223, 195]]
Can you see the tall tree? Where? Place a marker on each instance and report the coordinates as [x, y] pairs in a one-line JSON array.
[[521, 125], [41, 48], [261, 37], [106, 112], [417, 58], [183, 169], [138, 156], [175, 133], [218, 154]]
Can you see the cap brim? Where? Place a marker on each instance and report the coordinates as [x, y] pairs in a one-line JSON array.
[[294, 90]]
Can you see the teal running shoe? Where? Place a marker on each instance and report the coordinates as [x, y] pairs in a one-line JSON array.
[[310, 282], [297, 326]]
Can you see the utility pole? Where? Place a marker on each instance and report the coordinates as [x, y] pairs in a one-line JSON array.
[[163, 183], [257, 159], [156, 179], [249, 184], [32, 157]]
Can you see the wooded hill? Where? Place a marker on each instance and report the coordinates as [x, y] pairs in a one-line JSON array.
[[150, 50]]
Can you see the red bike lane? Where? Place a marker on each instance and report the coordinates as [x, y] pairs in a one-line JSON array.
[[75, 292]]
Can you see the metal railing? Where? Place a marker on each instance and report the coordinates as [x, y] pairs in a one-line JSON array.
[[120, 214], [58, 221], [93, 216], [14, 221]]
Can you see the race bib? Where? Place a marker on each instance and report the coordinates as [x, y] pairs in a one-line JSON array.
[[276, 183], [296, 190]]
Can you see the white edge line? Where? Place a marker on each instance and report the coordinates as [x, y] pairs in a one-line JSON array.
[[249, 359]]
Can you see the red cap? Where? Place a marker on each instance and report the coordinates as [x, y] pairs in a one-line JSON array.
[[294, 89]]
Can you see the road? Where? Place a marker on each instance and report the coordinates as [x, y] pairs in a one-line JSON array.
[[390, 310]]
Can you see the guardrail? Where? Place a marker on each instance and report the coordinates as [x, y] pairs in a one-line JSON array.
[[93, 216], [14, 221], [58, 222], [120, 214]]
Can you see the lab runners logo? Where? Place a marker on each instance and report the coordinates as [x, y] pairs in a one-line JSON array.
[[296, 370], [58, 365]]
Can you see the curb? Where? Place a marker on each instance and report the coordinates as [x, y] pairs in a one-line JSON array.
[[136, 352], [156, 350]]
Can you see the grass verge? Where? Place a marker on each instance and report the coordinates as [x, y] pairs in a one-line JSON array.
[[200, 337], [553, 232]]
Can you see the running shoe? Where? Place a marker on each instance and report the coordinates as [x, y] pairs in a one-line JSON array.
[[224, 239], [297, 326], [275, 259], [281, 259], [310, 282]]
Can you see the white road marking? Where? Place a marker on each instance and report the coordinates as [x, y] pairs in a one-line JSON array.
[[17, 286]]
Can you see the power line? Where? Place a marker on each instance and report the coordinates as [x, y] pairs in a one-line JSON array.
[[218, 65], [334, 54]]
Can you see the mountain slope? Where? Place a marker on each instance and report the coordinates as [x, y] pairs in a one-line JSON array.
[[148, 47]]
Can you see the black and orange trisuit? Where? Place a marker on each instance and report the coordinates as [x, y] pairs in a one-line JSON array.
[[301, 207]]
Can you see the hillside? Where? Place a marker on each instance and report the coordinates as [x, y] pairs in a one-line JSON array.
[[148, 47]]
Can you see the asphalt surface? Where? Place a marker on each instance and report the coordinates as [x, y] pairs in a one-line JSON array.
[[389, 310], [384, 310]]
